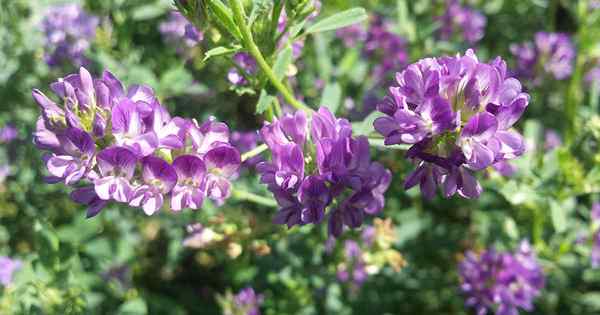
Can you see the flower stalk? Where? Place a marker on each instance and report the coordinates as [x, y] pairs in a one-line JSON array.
[[250, 45]]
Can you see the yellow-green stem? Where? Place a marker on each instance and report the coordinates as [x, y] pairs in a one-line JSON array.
[[248, 43]]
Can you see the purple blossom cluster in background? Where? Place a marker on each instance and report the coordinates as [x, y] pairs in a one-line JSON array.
[[354, 268], [245, 63], [8, 266], [115, 144], [501, 281], [8, 133], [381, 44], [69, 31], [457, 113], [246, 302], [177, 30], [317, 161], [550, 54], [462, 21]]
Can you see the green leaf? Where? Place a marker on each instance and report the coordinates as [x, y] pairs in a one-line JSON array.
[[175, 81], [220, 51], [323, 58], [264, 101], [338, 20], [592, 300], [284, 59], [558, 213], [148, 11], [332, 96], [405, 24], [133, 307], [47, 243]]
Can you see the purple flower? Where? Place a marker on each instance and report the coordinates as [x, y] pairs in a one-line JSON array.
[[116, 165], [550, 54], [75, 160], [87, 196], [69, 31], [388, 48], [552, 140], [247, 64], [8, 266], [129, 130], [189, 191], [500, 280], [354, 268], [178, 31], [135, 137], [222, 164], [247, 302], [8, 133], [314, 163], [352, 35], [505, 168], [159, 178], [462, 21], [457, 113]]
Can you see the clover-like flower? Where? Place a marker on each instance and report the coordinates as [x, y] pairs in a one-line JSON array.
[[317, 161], [549, 55], [121, 145], [501, 281], [69, 31], [458, 114]]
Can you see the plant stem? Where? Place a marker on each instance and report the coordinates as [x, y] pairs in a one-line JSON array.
[[254, 152], [248, 196], [248, 43]]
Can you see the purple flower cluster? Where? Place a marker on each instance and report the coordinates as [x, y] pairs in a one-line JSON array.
[[595, 256], [247, 64], [8, 133], [550, 54], [354, 269], [381, 44], [69, 31], [503, 282], [8, 266], [386, 46], [457, 113], [247, 302], [319, 164], [122, 145], [462, 21], [179, 31]]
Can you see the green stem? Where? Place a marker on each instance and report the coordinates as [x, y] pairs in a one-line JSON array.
[[248, 196], [254, 152], [248, 42]]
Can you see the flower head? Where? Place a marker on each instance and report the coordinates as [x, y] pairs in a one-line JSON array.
[[178, 31], [550, 54], [69, 31], [457, 113], [124, 146], [462, 21], [500, 280], [317, 161]]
